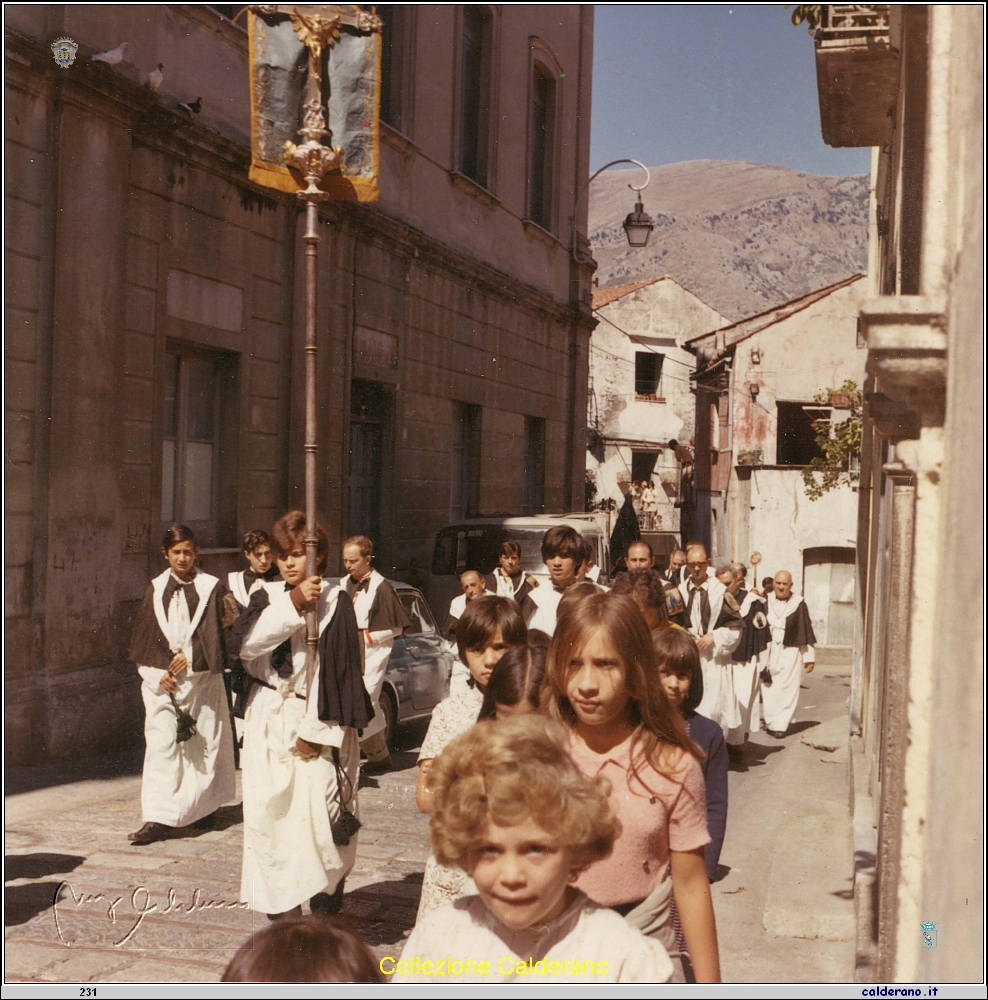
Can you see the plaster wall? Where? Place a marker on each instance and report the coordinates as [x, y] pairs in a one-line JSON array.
[[782, 521], [204, 55], [659, 317], [799, 357]]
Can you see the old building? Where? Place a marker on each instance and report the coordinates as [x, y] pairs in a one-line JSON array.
[[640, 397], [757, 383], [155, 319], [908, 80]]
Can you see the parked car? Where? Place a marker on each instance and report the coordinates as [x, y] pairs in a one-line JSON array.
[[418, 673], [474, 544]]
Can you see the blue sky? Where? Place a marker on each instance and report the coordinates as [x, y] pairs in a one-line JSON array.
[[678, 82]]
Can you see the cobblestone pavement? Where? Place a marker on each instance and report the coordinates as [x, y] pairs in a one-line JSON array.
[[168, 912]]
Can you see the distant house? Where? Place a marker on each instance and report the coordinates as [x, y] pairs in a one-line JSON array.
[[639, 396], [756, 383]]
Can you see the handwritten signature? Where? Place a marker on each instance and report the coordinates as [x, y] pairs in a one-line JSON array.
[[141, 904]]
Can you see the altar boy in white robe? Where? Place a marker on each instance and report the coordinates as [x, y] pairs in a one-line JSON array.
[[301, 754], [178, 646], [381, 619], [790, 653], [256, 548], [713, 619]]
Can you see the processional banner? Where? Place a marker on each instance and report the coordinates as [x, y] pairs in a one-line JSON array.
[[348, 49]]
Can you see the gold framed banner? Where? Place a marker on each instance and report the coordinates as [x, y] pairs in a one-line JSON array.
[[346, 42]]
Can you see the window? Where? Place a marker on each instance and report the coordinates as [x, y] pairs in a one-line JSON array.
[[370, 418], [418, 614], [464, 493], [643, 466], [533, 500], [396, 81], [796, 440], [541, 153], [475, 96], [197, 474], [648, 374]]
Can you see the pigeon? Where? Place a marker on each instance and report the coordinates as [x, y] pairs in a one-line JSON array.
[[112, 57], [193, 107], [155, 77]]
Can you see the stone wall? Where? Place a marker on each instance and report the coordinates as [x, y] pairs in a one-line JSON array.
[[131, 231]]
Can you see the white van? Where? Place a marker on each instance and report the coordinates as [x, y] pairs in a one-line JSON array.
[[474, 545]]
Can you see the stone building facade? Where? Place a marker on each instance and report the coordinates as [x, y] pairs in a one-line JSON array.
[[640, 394], [908, 80], [756, 386], [155, 319]]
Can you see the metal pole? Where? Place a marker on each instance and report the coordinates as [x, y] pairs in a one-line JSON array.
[[311, 240], [586, 187], [313, 160]]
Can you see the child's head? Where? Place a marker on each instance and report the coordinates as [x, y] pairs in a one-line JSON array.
[[586, 557], [767, 582], [257, 548], [180, 547], [575, 595], [601, 671], [647, 589], [358, 554], [487, 629], [512, 810], [288, 546], [315, 949], [509, 556], [562, 553], [515, 682], [678, 661]]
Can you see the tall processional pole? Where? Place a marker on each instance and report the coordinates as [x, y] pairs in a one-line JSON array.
[[318, 28]]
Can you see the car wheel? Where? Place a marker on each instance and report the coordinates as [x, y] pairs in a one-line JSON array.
[[390, 710]]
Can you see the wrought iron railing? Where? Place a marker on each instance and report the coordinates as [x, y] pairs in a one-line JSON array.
[[853, 22]]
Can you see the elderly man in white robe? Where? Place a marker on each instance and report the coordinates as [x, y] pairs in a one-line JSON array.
[[713, 619], [381, 619], [748, 657], [790, 653]]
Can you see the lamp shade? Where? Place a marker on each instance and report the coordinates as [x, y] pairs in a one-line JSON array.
[[638, 226]]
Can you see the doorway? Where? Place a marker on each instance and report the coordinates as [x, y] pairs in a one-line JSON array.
[[828, 589], [370, 466]]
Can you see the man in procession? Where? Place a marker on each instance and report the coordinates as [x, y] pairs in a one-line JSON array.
[[790, 653]]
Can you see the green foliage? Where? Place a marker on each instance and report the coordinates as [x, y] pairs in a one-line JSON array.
[[838, 443], [811, 13], [591, 503]]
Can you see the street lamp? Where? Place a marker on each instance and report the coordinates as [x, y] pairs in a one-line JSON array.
[[637, 224]]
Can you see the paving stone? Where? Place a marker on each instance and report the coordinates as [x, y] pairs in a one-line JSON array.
[[51, 829]]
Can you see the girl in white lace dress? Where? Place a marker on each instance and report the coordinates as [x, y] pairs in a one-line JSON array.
[[488, 628]]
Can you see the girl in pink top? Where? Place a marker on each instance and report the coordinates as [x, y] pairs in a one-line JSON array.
[[602, 683]]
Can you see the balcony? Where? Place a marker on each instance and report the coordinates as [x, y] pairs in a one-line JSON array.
[[857, 73]]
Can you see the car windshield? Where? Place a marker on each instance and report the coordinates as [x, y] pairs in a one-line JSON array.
[[462, 547]]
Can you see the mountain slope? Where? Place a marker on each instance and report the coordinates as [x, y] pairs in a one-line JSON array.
[[741, 236]]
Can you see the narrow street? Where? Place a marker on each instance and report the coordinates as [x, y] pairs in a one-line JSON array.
[[169, 912]]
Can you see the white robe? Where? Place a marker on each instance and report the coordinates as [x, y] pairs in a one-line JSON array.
[[546, 600], [719, 702], [289, 803], [785, 664], [238, 587], [377, 652], [185, 782], [745, 677]]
